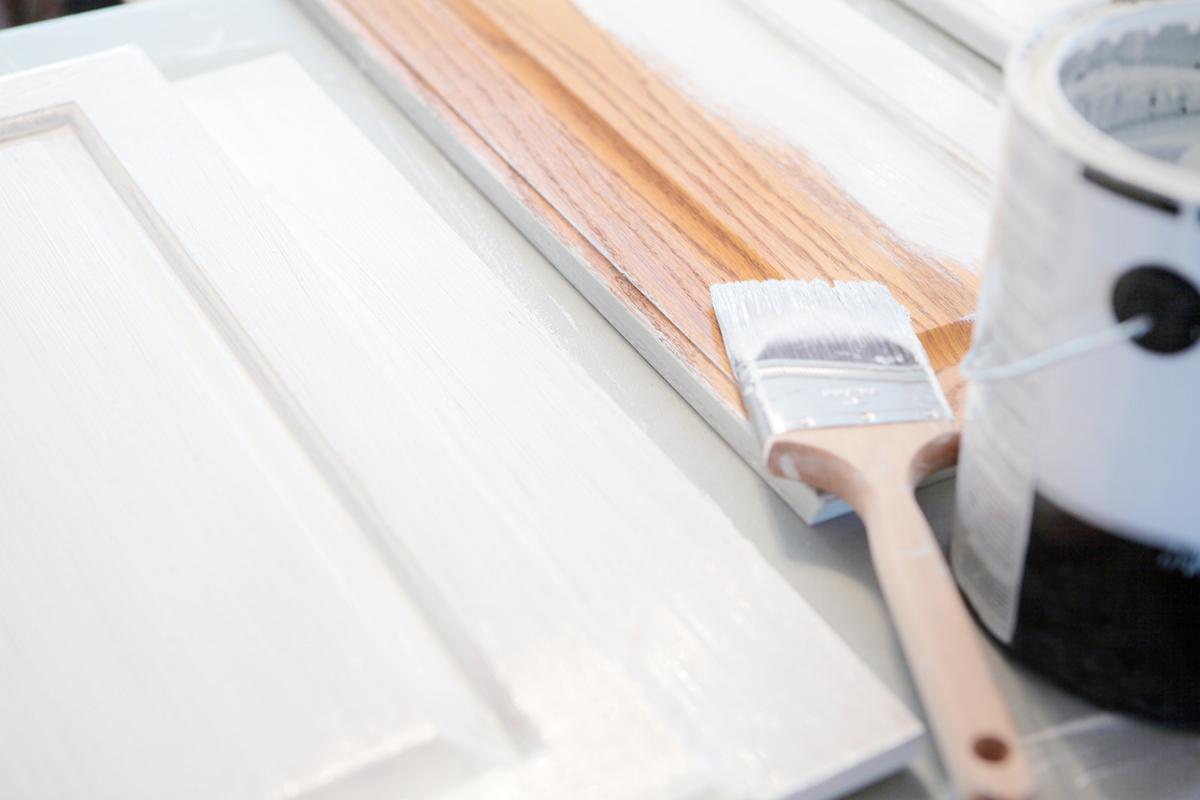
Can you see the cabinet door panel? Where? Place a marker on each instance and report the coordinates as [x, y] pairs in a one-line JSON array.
[[298, 501]]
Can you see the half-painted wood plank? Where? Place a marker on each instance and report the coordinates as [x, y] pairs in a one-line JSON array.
[[641, 195]]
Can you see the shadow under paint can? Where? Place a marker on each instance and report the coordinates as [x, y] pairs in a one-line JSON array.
[[1077, 535]]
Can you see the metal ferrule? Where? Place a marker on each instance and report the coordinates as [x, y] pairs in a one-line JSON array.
[[785, 396]]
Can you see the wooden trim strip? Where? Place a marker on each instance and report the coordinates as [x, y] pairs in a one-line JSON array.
[[671, 197]]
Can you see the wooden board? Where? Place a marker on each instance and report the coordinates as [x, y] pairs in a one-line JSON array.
[[641, 195], [298, 501]]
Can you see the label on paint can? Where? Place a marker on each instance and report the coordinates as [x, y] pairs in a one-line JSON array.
[[1085, 474]]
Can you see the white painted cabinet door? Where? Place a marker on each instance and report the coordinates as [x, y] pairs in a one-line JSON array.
[[295, 500]]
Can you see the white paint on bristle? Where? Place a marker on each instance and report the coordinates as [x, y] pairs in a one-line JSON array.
[[807, 354], [755, 314]]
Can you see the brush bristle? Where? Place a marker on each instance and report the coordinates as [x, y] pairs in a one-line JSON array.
[[807, 354], [856, 321]]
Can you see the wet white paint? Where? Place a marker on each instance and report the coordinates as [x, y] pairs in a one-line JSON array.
[[770, 80]]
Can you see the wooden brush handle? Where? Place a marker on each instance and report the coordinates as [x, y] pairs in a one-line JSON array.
[[874, 469], [976, 736]]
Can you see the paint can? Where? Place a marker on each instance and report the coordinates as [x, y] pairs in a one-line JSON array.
[[1077, 535]]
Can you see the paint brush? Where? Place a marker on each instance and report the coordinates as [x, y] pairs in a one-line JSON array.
[[841, 394]]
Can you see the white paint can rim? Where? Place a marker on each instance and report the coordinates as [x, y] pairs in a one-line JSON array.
[[1034, 87]]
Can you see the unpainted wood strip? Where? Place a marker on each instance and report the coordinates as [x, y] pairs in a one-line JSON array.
[[945, 344], [550, 220], [673, 198]]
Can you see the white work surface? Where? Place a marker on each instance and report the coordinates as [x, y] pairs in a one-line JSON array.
[[1078, 751]]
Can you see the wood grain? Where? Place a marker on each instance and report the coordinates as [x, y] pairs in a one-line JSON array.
[[664, 197]]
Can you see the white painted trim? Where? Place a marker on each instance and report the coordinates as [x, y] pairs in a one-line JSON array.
[[990, 27]]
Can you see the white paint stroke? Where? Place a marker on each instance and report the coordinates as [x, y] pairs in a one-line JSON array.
[[935, 106], [733, 63]]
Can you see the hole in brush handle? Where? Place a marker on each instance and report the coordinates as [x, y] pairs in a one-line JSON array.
[[991, 748]]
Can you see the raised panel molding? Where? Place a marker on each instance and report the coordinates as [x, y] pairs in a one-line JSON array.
[[177, 617]]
